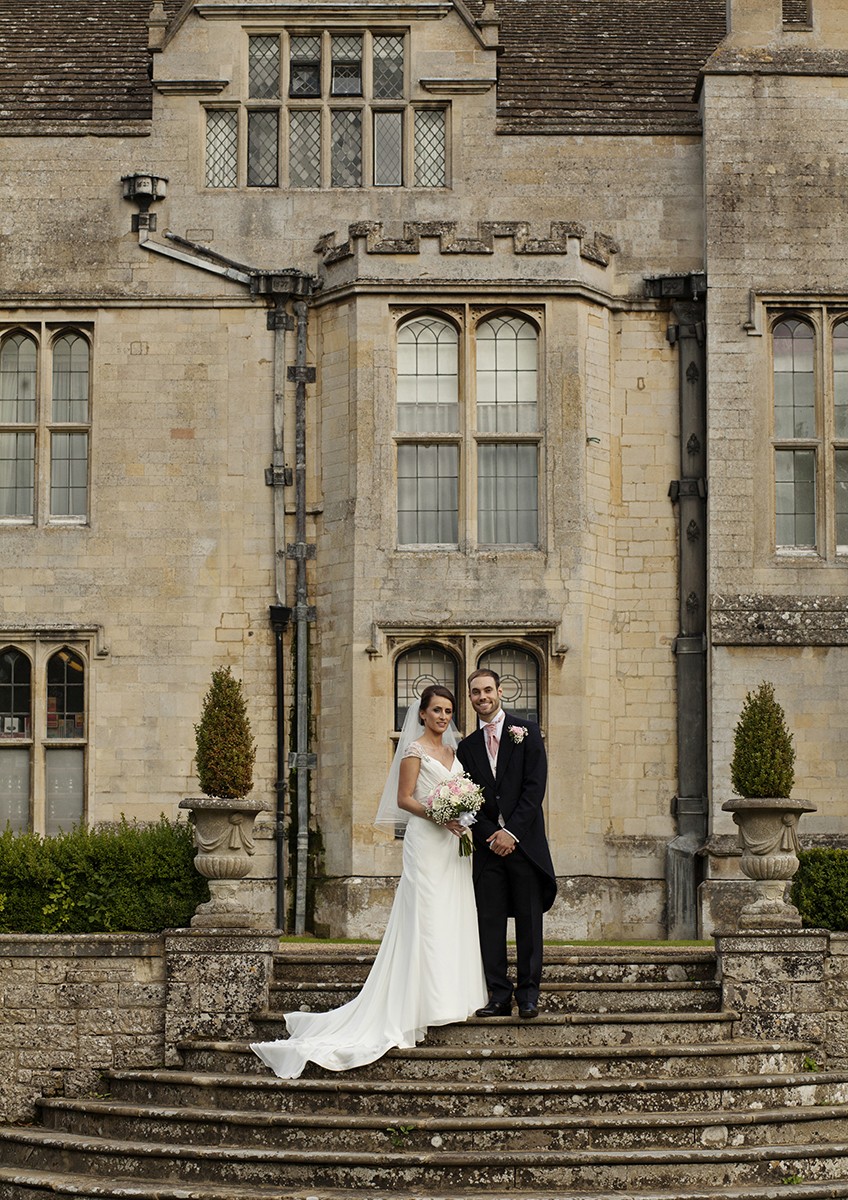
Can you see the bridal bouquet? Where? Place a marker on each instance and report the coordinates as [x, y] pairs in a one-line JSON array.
[[457, 799]]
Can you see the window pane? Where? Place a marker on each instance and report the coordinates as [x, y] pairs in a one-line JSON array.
[[428, 383], [519, 672], [428, 492], [794, 379], [346, 149], [15, 696], [14, 788], [388, 149], [430, 147], [795, 498], [70, 378], [17, 380], [263, 67], [388, 67], [221, 148], [305, 148], [69, 475], [17, 474], [840, 379], [506, 376], [262, 148], [507, 494], [416, 670], [65, 789], [305, 71], [65, 695], [347, 65], [841, 499]]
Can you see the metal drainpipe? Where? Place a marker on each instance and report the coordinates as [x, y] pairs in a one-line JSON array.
[[689, 493], [302, 760]]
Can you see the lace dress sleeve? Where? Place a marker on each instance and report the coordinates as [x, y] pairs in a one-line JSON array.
[[413, 750]]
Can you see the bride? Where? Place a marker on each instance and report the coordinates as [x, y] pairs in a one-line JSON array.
[[428, 970]]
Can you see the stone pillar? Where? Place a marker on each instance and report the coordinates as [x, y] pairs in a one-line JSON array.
[[777, 983], [215, 981], [837, 1029]]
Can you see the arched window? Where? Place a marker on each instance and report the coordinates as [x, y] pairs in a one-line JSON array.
[[69, 445], [519, 672], [15, 728], [428, 403], [507, 404], [65, 765], [18, 415], [418, 668], [840, 431], [796, 465]]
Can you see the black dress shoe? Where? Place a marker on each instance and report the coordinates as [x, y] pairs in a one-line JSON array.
[[528, 1011], [495, 1010]]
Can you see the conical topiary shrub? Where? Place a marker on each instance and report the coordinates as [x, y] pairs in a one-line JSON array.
[[763, 763], [225, 748]]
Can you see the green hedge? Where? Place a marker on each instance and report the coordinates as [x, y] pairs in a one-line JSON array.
[[820, 889], [107, 879]]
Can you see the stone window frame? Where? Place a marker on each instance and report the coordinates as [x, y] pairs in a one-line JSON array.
[[415, 135], [41, 648], [45, 335], [826, 446], [468, 438]]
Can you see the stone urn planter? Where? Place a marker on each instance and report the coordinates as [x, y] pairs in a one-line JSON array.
[[223, 835], [768, 838]]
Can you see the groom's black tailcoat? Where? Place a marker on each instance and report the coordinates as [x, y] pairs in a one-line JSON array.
[[523, 883]]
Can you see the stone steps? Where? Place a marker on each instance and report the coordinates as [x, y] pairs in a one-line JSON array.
[[650, 996], [263, 1166], [376, 1133], [402, 1097], [562, 1029], [27, 1183], [494, 1063]]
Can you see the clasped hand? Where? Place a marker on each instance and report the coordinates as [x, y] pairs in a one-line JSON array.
[[501, 843]]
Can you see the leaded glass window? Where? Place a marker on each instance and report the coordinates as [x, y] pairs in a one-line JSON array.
[[15, 694], [506, 376], [305, 66], [18, 416], [420, 668], [430, 148], [347, 65], [794, 380], [427, 376], [507, 493], [519, 672], [346, 147], [795, 498], [262, 148], [305, 148], [388, 67], [263, 67], [65, 695], [221, 148], [428, 493], [388, 149]]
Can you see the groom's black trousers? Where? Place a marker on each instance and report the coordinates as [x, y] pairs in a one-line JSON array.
[[510, 886]]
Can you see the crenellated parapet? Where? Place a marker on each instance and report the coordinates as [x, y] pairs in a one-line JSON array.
[[566, 237]]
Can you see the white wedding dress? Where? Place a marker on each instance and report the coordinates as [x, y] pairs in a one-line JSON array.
[[428, 970]]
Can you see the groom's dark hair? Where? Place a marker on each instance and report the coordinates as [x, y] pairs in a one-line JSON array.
[[484, 671]]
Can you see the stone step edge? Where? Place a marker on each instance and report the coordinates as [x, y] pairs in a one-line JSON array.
[[66, 1184], [643, 1120], [335, 952], [723, 1015], [56, 1140], [500, 1053], [506, 1087], [647, 985]]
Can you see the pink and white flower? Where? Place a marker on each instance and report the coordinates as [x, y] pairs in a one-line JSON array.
[[518, 733], [459, 798]]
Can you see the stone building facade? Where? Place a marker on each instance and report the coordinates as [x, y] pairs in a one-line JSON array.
[[358, 344]]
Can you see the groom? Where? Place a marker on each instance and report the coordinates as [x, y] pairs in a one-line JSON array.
[[513, 872]]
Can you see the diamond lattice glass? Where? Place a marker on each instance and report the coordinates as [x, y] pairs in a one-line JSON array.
[[305, 148], [388, 67], [347, 65], [346, 149], [221, 148], [262, 143], [305, 68], [388, 149], [263, 68], [430, 147]]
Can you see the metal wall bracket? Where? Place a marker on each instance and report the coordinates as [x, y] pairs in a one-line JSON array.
[[300, 550], [301, 374], [279, 476], [302, 762], [279, 320]]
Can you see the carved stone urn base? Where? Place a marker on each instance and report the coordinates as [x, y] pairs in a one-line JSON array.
[[223, 834], [768, 838]]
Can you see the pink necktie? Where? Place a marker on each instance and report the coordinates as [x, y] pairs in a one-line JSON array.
[[492, 740]]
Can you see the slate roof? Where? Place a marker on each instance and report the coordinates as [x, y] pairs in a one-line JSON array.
[[604, 66], [568, 66], [74, 66]]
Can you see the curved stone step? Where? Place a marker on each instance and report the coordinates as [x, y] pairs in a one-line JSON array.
[[560, 1029], [591, 1170], [27, 1183], [481, 1134], [617, 997], [492, 1063], [343, 1095]]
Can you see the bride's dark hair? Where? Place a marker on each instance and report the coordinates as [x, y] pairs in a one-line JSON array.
[[435, 689]]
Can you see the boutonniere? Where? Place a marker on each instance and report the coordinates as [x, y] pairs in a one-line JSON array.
[[518, 733]]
